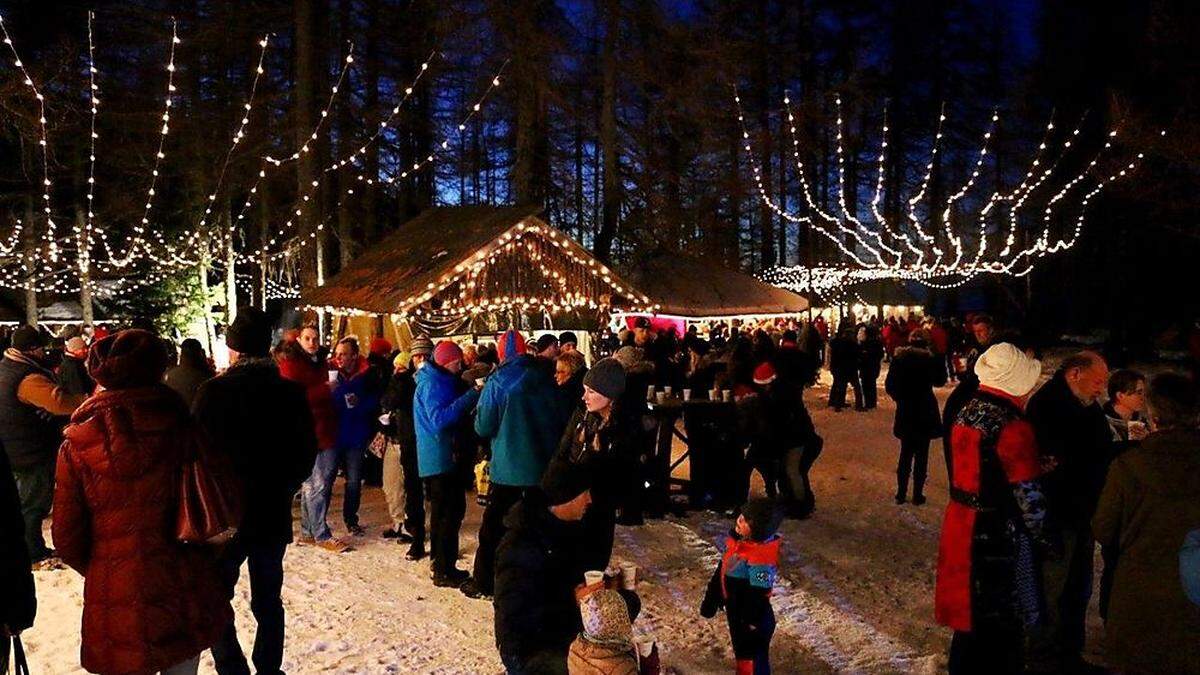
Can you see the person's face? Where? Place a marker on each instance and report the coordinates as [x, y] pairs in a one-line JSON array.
[[562, 373], [551, 352], [309, 341], [418, 361], [345, 357], [1134, 400], [1089, 383], [573, 510], [983, 333], [641, 335], [567, 348], [594, 401], [742, 527]]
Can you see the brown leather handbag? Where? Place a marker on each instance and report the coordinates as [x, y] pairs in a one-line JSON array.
[[208, 511]]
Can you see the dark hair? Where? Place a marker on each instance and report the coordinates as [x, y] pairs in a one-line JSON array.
[[1173, 401], [789, 335], [984, 319], [350, 340], [1123, 381], [308, 326], [1080, 360], [191, 354]]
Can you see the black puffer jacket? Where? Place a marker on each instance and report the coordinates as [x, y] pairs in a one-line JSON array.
[[18, 603], [264, 425], [915, 371], [537, 568]]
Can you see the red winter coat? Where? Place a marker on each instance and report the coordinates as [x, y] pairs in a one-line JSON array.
[[149, 601], [314, 376]]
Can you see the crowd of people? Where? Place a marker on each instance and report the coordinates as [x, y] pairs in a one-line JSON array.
[[121, 434]]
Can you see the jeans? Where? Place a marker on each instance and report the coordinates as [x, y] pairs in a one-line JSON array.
[[266, 582], [447, 506], [837, 391], [188, 667], [914, 460], [317, 491], [35, 489], [500, 499], [1056, 644]]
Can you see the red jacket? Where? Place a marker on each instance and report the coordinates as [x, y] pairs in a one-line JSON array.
[[149, 601], [314, 376], [939, 339]]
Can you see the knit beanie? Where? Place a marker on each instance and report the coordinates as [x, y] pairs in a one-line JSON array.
[[764, 373], [1008, 369], [27, 339], [628, 356], [510, 344], [564, 481], [130, 358], [250, 332], [76, 347], [567, 338], [421, 346], [401, 360], [380, 346], [764, 517], [447, 352], [546, 341], [606, 619], [607, 378]]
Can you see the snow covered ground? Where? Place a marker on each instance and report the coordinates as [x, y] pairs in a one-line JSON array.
[[855, 593]]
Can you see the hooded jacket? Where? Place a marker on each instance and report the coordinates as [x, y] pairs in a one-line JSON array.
[[522, 413], [441, 406], [149, 601]]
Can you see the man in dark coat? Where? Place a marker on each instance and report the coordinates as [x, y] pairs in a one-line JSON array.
[[843, 365], [915, 371], [18, 603], [33, 410], [1073, 442], [538, 566], [263, 423], [72, 372], [869, 365]]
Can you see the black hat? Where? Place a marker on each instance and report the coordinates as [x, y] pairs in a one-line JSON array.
[[250, 332], [567, 338], [764, 517], [607, 377], [544, 342], [27, 339], [565, 480]]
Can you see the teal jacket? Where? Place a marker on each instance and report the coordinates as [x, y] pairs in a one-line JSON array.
[[441, 406], [521, 412]]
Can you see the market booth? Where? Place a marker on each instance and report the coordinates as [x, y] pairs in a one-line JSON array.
[[689, 290], [469, 271]]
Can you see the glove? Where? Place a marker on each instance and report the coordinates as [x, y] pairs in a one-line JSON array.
[[709, 608]]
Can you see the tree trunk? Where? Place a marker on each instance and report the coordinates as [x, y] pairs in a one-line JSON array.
[[611, 200], [302, 118], [85, 271], [30, 246]]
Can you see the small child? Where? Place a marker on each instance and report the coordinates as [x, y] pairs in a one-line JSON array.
[[742, 585], [605, 647]]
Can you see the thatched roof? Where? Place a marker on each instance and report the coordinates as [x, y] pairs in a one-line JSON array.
[[424, 263], [698, 288]]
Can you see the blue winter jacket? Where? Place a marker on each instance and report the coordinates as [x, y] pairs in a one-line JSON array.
[[440, 408], [356, 425], [521, 411]]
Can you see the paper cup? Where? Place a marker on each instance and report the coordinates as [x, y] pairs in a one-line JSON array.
[[333, 377], [726, 395], [667, 390], [687, 394], [650, 393], [479, 382], [645, 648], [592, 577], [629, 576], [714, 395]]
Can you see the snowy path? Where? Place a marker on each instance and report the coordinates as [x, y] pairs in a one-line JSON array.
[[855, 594]]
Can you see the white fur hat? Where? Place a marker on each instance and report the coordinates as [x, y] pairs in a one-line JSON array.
[[1008, 369]]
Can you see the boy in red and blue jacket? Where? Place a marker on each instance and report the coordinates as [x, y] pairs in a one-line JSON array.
[[742, 585]]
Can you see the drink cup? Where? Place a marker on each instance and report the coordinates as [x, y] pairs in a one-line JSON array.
[[629, 576], [593, 577], [667, 390], [479, 382], [650, 393], [645, 648], [726, 395], [714, 395], [333, 377], [687, 394]]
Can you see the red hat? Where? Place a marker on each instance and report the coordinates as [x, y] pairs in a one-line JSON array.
[[510, 344], [764, 373], [446, 352], [130, 358], [380, 346]]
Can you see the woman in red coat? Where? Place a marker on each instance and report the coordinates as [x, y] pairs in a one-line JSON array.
[[150, 603], [994, 529]]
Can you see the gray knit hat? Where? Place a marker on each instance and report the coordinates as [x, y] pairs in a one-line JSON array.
[[421, 346], [607, 378]]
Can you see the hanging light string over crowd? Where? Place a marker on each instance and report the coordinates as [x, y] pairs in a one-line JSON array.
[[941, 270]]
